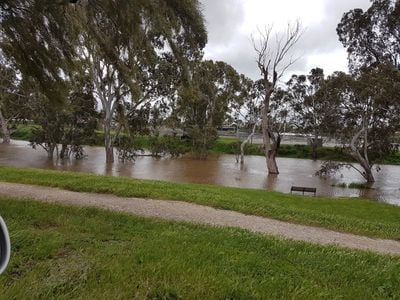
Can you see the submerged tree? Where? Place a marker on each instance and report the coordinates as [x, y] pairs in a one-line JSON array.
[[312, 111], [122, 44], [367, 115], [247, 112], [203, 104], [273, 59], [68, 125], [126, 44]]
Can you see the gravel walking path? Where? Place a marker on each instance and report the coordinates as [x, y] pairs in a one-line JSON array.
[[188, 212]]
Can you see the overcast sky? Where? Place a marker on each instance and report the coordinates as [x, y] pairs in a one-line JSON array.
[[231, 23]]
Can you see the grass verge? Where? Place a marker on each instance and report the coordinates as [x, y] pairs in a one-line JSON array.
[[83, 253], [343, 214]]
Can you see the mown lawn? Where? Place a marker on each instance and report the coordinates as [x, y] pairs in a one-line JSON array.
[[74, 253], [358, 216]]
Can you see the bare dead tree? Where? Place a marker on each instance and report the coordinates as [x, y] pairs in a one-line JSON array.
[[273, 59]]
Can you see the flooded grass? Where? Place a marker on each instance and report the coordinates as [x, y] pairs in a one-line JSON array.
[[357, 216], [94, 254]]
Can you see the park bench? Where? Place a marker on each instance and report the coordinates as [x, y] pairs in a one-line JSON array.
[[303, 189]]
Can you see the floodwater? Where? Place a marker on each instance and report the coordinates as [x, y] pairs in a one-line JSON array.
[[221, 170]]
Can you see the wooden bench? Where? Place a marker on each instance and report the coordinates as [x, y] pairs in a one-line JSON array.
[[303, 189]]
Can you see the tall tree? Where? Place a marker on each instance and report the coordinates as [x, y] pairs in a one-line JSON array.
[[69, 124], [203, 104], [312, 111], [367, 115], [122, 43], [37, 36], [273, 59], [126, 45], [372, 36], [10, 98]]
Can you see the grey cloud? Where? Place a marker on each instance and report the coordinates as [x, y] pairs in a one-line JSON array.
[[223, 19], [322, 37], [228, 43]]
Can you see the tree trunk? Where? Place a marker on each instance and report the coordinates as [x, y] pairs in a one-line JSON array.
[[271, 162], [271, 150], [368, 175], [4, 129], [314, 146], [270, 147], [50, 150], [362, 160], [246, 141], [64, 151], [108, 143]]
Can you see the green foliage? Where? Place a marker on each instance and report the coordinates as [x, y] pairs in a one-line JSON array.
[[137, 50], [359, 216], [23, 132], [82, 253], [340, 185], [353, 185], [366, 112], [372, 36], [161, 145], [38, 38], [68, 124], [127, 148], [231, 146], [203, 105], [359, 185]]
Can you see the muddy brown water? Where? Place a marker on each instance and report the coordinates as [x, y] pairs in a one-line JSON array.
[[221, 170]]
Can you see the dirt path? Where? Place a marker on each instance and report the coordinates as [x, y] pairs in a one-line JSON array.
[[182, 211]]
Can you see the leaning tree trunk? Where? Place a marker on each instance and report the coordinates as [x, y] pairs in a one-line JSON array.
[[246, 141], [368, 175], [4, 129], [362, 159]]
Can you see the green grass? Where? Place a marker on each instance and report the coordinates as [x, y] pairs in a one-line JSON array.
[[344, 214], [74, 253]]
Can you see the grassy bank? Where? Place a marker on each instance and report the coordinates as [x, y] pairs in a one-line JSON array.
[[231, 146], [72, 253], [348, 215]]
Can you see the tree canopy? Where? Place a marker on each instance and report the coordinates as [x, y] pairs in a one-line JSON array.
[[372, 36]]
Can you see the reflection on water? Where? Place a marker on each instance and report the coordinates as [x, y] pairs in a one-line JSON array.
[[222, 170]]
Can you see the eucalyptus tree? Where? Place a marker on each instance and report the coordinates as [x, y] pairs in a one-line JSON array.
[[10, 99], [125, 45], [68, 125], [372, 36], [203, 104], [312, 111], [247, 111], [273, 60], [367, 115], [36, 35], [121, 43]]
